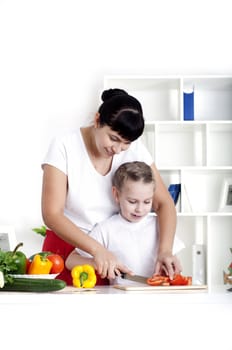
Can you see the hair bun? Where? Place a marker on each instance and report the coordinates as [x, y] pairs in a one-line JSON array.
[[107, 94]]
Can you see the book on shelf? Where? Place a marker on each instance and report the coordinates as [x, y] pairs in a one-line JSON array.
[[174, 190], [189, 105]]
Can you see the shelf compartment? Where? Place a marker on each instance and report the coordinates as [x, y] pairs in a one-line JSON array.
[[181, 145], [172, 177], [219, 244], [212, 97], [160, 97], [219, 144], [191, 230], [202, 189], [148, 138]]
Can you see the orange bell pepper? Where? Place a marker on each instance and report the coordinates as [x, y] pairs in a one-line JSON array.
[[40, 265]]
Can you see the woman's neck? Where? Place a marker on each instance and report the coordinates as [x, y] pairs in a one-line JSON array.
[[101, 164], [89, 141]]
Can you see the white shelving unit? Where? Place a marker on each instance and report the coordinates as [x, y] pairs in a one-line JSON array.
[[197, 154]]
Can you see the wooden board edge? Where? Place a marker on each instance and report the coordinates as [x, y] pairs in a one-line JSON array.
[[161, 288]]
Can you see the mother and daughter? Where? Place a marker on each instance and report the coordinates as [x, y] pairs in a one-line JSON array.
[[77, 192]]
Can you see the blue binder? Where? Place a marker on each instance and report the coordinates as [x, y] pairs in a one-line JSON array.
[[174, 190], [189, 105]]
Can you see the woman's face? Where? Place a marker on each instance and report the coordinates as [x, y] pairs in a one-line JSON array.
[[134, 199], [109, 142]]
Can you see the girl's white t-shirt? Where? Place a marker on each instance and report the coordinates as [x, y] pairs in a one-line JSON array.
[[89, 197], [134, 243]]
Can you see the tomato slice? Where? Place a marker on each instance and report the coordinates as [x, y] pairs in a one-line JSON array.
[[178, 280], [158, 280]]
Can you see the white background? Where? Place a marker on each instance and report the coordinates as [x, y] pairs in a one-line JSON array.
[[53, 58]]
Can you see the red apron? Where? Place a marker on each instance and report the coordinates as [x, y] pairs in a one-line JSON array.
[[52, 243]]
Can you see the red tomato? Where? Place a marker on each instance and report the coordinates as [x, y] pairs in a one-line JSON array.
[[58, 263]]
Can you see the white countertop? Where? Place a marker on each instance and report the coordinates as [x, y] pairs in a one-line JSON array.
[[107, 318], [68, 294]]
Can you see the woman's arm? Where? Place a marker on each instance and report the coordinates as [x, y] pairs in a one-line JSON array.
[[164, 207], [54, 191]]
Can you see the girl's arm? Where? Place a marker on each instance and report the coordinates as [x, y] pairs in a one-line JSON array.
[[75, 259], [164, 207], [54, 191]]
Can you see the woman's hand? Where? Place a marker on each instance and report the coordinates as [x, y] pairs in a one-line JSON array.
[[107, 264], [167, 264]]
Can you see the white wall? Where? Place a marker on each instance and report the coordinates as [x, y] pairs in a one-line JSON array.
[[53, 57]]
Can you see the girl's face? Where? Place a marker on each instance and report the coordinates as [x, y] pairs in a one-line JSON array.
[[134, 199], [109, 142]]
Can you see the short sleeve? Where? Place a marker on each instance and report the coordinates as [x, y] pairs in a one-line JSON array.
[[57, 155]]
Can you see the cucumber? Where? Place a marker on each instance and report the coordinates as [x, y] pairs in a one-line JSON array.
[[37, 285]]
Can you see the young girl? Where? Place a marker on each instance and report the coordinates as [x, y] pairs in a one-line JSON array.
[[132, 235]]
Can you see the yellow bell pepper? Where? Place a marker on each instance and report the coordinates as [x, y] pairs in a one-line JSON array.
[[83, 276]]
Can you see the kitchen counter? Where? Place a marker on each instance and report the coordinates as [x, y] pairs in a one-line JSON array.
[[68, 294], [93, 319]]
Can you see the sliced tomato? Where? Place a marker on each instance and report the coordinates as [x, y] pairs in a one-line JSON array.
[[180, 280], [189, 278], [158, 280]]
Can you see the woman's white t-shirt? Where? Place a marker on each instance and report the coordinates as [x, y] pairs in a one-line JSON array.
[[89, 197]]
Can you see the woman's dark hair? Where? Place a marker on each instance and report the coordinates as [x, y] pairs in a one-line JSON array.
[[122, 113]]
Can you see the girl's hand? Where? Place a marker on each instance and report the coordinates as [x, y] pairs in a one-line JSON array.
[[167, 264], [107, 264]]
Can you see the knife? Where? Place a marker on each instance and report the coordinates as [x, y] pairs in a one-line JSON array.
[[135, 278]]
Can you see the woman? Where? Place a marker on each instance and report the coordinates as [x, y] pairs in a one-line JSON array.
[[76, 192]]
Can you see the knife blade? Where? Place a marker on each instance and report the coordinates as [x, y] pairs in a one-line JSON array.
[[135, 278]]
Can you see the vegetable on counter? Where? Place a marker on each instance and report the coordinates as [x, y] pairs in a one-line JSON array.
[[37, 285], [178, 280], [56, 259], [20, 260], [57, 263], [84, 276], [12, 262], [44, 254], [40, 265], [15, 263]]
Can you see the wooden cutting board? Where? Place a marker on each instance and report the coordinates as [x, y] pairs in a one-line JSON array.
[[170, 289]]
